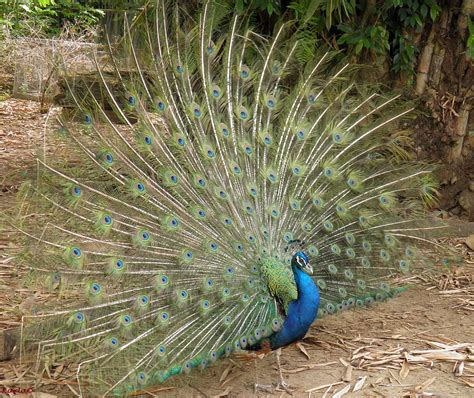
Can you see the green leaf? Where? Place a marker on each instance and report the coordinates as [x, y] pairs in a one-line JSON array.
[[239, 6], [25, 7], [358, 47], [312, 8], [344, 28], [342, 39], [270, 8], [424, 10]]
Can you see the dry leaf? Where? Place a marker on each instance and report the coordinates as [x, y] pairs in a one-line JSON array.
[[324, 386], [303, 350], [458, 368], [423, 386], [404, 370], [467, 382], [342, 392], [347, 374], [225, 373], [359, 383], [344, 362], [224, 393], [306, 367]]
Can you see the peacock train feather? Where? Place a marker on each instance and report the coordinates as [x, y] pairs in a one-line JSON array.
[[180, 235]]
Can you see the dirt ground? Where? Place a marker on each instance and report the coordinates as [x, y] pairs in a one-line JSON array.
[[420, 344]]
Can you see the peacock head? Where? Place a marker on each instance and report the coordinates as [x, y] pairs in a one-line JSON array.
[[301, 261]]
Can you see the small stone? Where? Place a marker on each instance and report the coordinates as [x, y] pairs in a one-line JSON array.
[[466, 201], [470, 241], [454, 179], [471, 186]]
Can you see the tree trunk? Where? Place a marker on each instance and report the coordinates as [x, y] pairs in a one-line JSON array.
[[445, 83]]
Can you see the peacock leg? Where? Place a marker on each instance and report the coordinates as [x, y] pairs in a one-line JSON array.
[[261, 387], [282, 383]]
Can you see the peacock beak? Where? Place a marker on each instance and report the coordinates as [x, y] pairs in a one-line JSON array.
[[309, 269]]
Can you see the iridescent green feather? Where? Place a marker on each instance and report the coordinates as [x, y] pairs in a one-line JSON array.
[[280, 281]]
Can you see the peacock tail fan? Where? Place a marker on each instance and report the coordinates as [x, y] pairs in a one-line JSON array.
[[154, 232]]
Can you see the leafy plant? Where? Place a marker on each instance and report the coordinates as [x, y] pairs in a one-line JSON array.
[[47, 17], [404, 58], [373, 38], [270, 6], [379, 28], [402, 17]]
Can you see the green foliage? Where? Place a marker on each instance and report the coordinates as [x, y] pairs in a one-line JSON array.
[[328, 12], [411, 13], [367, 29], [403, 18], [405, 55], [374, 38], [47, 17], [270, 6]]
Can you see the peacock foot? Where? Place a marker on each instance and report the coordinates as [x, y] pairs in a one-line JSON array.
[[271, 388], [284, 386]]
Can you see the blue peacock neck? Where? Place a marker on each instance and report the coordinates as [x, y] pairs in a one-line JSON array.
[[301, 312]]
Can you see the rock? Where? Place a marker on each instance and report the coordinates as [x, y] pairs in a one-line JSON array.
[[456, 211], [471, 186], [454, 180], [466, 201], [470, 241]]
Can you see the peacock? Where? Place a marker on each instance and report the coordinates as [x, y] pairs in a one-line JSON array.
[[216, 195]]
